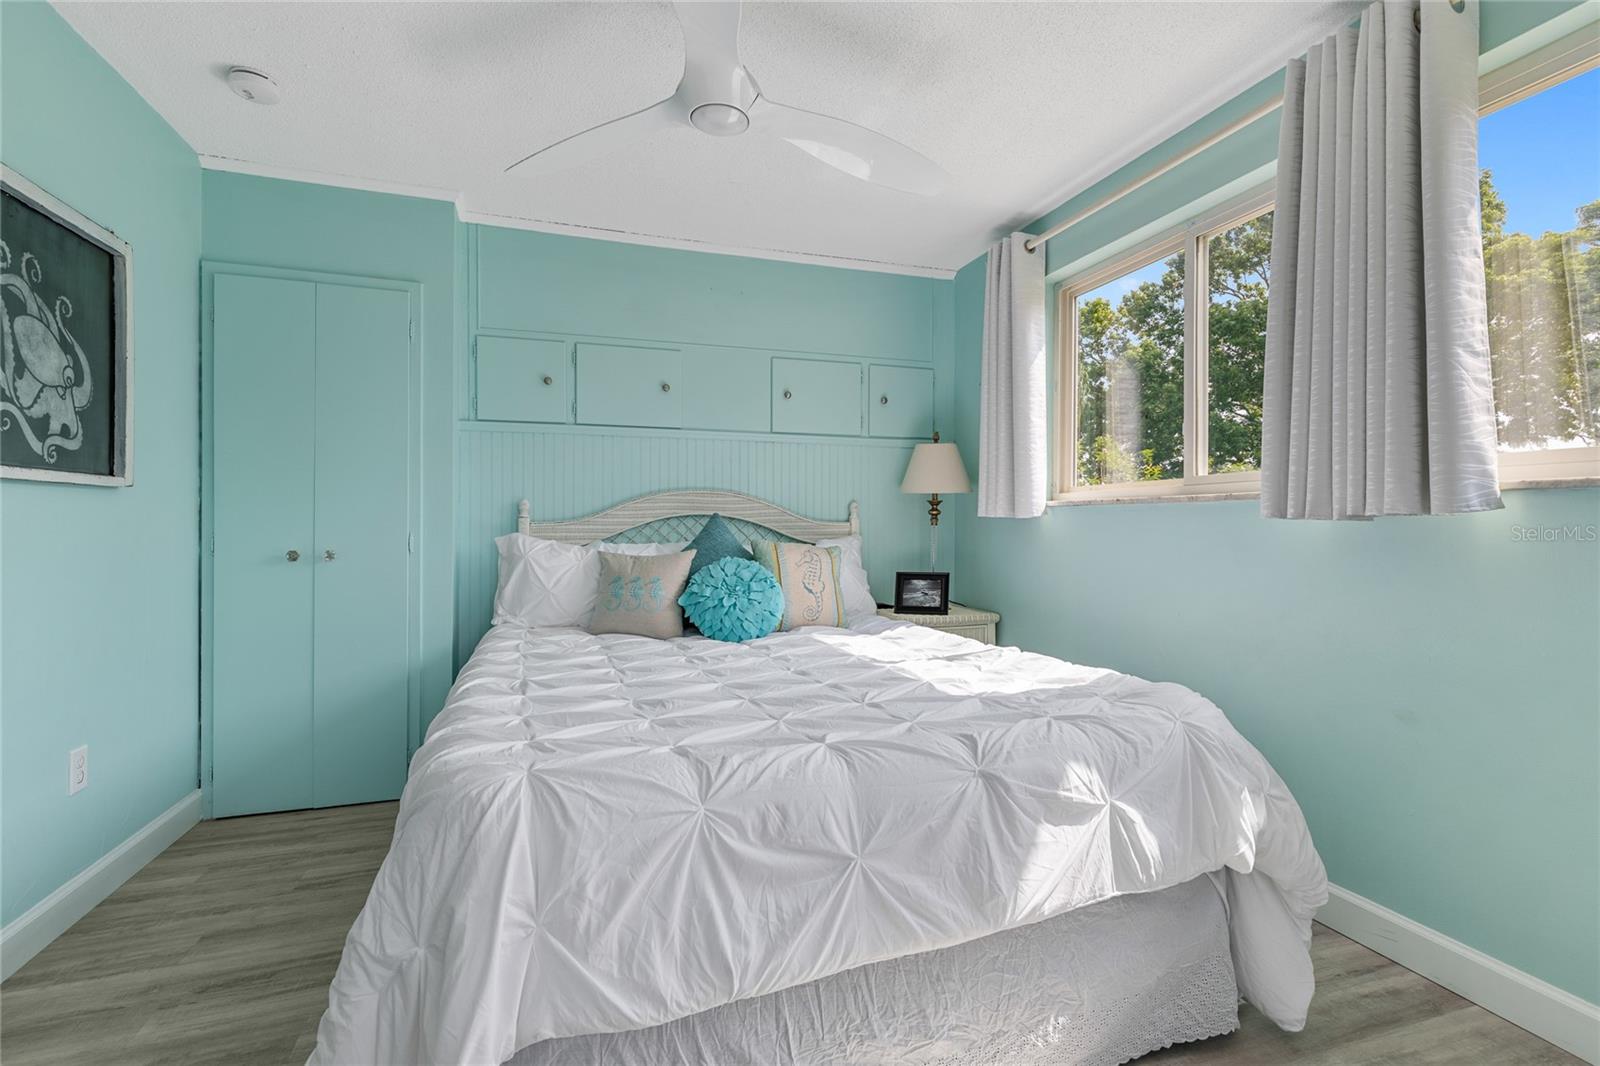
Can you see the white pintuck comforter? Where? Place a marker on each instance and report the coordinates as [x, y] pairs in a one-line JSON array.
[[604, 833]]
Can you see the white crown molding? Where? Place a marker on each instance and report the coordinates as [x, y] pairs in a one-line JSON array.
[[539, 225], [1537, 1006], [321, 177], [32, 931], [484, 218]]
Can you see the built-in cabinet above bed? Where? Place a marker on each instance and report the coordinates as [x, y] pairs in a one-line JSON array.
[[900, 401], [521, 379], [696, 387], [565, 331], [816, 396], [624, 385]]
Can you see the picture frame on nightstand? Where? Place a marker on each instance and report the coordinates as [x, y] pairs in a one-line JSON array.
[[921, 592]]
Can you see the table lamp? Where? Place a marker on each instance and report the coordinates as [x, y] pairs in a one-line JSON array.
[[935, 468]]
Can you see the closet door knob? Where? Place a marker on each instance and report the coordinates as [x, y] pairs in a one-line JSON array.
[[665, 387], [327, 555], [292, 555], [787, 395], [883, 400], [548, 380]]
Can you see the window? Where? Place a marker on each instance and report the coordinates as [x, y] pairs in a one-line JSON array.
[[1540, 189], [1236, 334], [1130, 375], [1176, 326], [1162, 349]]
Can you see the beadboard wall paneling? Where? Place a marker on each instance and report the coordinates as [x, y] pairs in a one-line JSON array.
[[571, 471]]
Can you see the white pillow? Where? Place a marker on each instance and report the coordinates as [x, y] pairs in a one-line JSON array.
[[548, 583], [855, 589]]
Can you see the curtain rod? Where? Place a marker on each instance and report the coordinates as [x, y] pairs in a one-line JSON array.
[[1227, 131], [1033, 243]]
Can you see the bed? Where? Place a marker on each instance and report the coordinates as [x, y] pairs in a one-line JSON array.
[[880, 843]]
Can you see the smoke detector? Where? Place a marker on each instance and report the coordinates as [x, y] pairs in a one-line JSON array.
[[252, 85]]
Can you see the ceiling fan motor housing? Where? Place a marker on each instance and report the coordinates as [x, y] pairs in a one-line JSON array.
[[719, 100], [719, 120]]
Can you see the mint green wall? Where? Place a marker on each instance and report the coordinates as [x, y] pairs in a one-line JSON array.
[[558, 284], [98, 637], [268, 222], [1428, 687], [743, 309], [534, 283]]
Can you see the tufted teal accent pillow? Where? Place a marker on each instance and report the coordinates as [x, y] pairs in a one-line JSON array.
[[716, 540], [809, 577], [733, 599], [638, 594]]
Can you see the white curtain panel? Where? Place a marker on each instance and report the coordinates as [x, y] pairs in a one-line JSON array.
[[1012, 448], [1378, 394]]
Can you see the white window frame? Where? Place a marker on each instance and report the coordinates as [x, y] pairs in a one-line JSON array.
[[1575, 54], [1193, 240]]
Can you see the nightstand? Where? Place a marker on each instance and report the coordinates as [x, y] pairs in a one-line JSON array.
[[963, 621]]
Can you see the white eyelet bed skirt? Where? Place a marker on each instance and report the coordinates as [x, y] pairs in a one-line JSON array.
[[1098, 985]]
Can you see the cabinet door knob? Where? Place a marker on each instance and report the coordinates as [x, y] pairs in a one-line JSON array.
[[327, 555], [787, 395], [548, 380], [883, 400], [292, 555], [665, 387]]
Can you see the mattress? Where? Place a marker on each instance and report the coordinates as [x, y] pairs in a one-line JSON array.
[[1092, 987], [609, 833]]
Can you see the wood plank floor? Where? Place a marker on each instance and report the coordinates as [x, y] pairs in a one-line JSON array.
[[221, 950]]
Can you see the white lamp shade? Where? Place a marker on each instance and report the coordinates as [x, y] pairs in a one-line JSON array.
[[935, 468]]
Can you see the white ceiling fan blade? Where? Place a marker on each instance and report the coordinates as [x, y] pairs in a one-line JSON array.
[[604, 139], [856, 150]]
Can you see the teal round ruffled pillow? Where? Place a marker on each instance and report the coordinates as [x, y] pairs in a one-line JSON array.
[[733, 599]]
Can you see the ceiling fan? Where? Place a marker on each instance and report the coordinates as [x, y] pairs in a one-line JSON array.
[[720, 97]]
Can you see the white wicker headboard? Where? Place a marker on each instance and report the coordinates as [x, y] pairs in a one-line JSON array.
[[663, 506]]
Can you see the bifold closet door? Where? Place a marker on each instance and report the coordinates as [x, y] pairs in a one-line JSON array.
[[360, 668], [310, 598], [263, 366]]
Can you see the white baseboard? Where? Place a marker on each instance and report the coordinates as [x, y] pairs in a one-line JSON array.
[[1537, 1006], [32, 931]]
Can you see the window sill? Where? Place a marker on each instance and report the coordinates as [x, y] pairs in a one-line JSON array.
[[1094, 499], [1091, 499], [1585, 482]]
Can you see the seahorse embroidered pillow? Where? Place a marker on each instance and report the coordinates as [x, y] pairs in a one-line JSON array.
[[638, 594], [809, 577]]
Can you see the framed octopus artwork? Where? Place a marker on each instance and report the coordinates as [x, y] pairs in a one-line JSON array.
[[65, 363]]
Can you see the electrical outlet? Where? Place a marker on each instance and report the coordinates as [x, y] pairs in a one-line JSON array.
[[77, 770]]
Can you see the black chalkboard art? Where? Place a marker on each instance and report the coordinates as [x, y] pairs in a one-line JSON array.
[[64, 369]]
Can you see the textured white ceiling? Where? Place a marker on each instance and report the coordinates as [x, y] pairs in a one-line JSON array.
[[1021, 103]]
